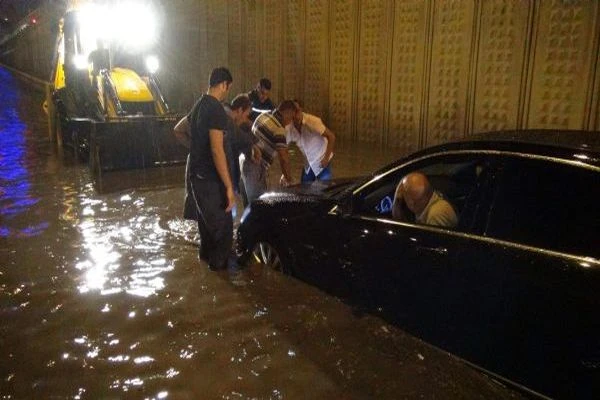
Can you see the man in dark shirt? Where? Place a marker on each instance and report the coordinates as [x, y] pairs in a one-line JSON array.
[[208, 171], [240, 137], [99, 58], [238, 140], [259, 97]]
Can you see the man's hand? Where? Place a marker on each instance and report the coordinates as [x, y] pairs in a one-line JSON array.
[[182, 132], [330, 137], [397, 212], [230, 199], [284, 161], [284, 182], [256, 154], [220, 161]]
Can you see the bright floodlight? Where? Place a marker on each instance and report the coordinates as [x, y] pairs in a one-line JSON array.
[[94, 25], [80, 61], [152, 64], [131, 25], [134, 25]]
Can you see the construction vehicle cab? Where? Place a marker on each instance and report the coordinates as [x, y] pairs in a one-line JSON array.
[[108, 105]]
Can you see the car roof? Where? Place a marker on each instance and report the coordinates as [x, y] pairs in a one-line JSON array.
[[552, 143], [568, 139]]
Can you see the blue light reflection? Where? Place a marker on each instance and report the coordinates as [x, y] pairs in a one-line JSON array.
[[15, 186]]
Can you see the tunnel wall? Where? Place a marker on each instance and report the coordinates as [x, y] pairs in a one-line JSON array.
[[31, 47], [409, 73], [400, 74]]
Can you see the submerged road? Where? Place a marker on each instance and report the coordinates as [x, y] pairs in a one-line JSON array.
[[102, 296]]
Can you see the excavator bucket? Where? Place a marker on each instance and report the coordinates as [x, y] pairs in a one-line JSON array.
[[134, 142]]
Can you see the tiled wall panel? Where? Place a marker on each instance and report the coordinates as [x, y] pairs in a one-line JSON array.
[[374, 40], [293, 51], [562, 58], [202, 46], [252, 55], [316, 57], [500, 68], [407, 74], [342, 41], [451, 52], [217, 35], [272, 43], [235, 49], [180, 54]]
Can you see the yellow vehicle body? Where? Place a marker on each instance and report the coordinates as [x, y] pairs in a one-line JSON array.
[[129, 86], [116, 117]]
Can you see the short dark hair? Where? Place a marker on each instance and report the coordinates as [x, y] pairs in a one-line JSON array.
[[241, 101], [286, 105], [265, 83], [218, 75], [300, 103]]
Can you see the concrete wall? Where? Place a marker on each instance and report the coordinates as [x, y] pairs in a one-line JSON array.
[[30, 48], [401, 74], [408, 73]]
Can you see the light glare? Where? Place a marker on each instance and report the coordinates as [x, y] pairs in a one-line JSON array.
[[80, 61], [152, 64]]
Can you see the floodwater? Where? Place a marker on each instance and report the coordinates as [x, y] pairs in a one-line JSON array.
[[102, 296]]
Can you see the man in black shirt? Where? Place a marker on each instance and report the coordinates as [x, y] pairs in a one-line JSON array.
[[208, 171], [240, 137], [259, 97]]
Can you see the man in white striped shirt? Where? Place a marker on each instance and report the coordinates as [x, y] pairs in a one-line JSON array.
[[269, 129]]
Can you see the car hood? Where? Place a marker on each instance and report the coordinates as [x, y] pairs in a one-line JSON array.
[[315, 191]]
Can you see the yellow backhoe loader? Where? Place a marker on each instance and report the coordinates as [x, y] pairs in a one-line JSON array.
[[108, 106]]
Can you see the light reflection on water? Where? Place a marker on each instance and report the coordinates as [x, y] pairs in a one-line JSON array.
[[105, 241]]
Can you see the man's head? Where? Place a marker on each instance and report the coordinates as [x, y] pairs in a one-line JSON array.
[[219, 82], [99, 44], [240, 109], [263, 89], [417, 192], [287, 109], [298, 116]]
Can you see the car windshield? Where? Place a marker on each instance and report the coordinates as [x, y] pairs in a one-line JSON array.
[[341, 189]]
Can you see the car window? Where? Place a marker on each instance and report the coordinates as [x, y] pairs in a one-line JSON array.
[[455, 177], [549, 205]]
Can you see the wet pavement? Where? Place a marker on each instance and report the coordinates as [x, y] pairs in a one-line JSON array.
[[102, 296]]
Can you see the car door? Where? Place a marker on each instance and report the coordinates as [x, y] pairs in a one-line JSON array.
[[530, 283], [400, 268]]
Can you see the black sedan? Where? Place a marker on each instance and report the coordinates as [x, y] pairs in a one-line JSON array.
[[514, 288]]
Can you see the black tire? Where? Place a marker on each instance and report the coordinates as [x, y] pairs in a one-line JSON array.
[[267, 254]]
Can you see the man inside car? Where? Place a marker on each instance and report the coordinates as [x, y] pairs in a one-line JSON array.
[[415, 193]]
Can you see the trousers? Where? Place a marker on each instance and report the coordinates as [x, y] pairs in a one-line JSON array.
[[324, 175], [254, 179], [215, 225]]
